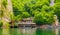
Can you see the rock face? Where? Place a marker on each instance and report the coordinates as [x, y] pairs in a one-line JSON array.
[[56, 21], [0, 8], [7, 13], [9, 6]]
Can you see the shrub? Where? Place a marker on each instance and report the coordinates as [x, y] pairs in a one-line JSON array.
[[43, 18]]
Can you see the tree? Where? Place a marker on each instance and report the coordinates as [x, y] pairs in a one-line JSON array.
[[25, 15], [43, 18], [57, 10], [57, 1], [28, 6]]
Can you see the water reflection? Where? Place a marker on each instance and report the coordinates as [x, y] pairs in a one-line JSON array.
[[22, 31], [56, 30], [29, 31], [47, 31], [0, 31]]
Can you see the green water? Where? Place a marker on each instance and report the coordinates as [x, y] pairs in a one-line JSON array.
[[29, 31]]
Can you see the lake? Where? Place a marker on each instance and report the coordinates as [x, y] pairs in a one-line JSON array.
[[29, 31]]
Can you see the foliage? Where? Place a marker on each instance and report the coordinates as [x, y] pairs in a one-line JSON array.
[[29, 6], [57, 10], [4, 2], [21, 16], [1, 23], [41, 10], [57, 1], [16, 18], [44, 18], [25, 14], [15, 24]]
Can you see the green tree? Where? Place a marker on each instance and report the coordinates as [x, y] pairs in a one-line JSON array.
[[44, 18], [57, 1], [57, 10], [25, 15], [29, 6]]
